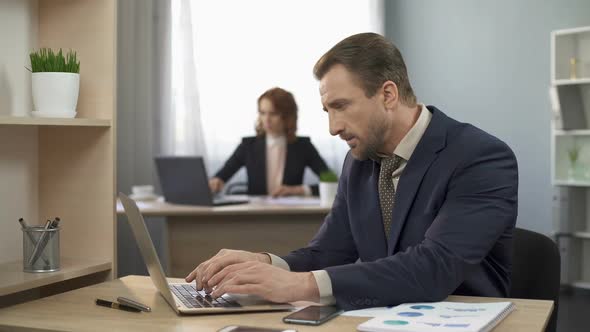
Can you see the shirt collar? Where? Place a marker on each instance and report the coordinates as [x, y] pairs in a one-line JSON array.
[[408, 144]]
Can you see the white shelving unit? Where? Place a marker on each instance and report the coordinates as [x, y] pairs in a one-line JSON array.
[[570, 151]]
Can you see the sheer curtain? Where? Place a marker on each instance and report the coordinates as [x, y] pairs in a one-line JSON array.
[[180, 125], [242, 48]]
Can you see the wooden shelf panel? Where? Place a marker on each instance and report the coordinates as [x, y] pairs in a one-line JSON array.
[[13, 279], [77, 122]]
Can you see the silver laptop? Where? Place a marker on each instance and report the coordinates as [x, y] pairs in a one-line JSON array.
[[183, 297], [184, 181]]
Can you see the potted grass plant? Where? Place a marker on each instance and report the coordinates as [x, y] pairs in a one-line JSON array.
[[55, 83], [328, 187]]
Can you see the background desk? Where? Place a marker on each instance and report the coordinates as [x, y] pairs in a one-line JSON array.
[[76, 311], [195, 233]]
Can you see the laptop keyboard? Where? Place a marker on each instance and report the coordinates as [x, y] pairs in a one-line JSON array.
[[192, 298]]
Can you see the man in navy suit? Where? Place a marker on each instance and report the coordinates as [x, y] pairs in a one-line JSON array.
[[426, 205]]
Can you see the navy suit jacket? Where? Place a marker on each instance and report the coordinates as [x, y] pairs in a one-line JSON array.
[[252, 154], [452, 224]]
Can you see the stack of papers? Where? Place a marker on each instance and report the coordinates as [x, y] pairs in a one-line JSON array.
[[437, 316]]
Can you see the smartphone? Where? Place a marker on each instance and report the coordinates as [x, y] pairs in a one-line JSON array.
[[313, 315], [236, 328]]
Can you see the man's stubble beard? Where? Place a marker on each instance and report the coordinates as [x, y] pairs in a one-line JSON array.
[[375, 140]]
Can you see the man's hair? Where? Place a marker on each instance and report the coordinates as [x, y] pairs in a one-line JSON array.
[[373, 60], [284, 104]]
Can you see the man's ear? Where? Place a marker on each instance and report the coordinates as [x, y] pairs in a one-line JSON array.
[[390, 95]]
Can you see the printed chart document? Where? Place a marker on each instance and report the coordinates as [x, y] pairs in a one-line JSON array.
[[439, 316]]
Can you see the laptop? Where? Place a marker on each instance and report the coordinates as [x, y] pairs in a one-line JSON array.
[[184, 181], [183, 297]]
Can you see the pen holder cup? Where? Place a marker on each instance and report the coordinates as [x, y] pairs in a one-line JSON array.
[[40, 249]]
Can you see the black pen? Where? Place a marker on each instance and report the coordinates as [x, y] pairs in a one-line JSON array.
[[116, 305], [22, 223]]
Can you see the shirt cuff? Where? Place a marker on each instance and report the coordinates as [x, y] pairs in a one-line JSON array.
[[322, 278], [279, 262], [307, 190]]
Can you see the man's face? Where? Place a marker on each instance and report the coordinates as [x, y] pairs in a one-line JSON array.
[[358, 120]]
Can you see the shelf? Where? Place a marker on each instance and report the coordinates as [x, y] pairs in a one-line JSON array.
[[574, 132], [13, 279], [49, 164], [578, 235], [578, 81], [581, 235], [26, 121], [570, 90], [572, 31], [571, 183], [581, 284]]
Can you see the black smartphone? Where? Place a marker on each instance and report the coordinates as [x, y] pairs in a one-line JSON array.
[[236, 328], [313, 315]]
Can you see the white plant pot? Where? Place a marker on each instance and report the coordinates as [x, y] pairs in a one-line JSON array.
[[328, 193], [55, 94]]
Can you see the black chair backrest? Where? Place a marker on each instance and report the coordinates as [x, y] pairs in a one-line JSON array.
[[237, 188], [536, 270]]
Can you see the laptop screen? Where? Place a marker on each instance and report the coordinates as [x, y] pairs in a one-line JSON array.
[[146, 247], [184, 180]]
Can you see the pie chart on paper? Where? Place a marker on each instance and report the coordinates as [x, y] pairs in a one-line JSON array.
[[410, 314], [422, 307], [395, 322]]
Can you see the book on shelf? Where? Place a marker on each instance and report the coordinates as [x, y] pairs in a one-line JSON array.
[[440, 316]]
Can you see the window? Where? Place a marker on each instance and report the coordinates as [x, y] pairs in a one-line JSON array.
[[243, 48]]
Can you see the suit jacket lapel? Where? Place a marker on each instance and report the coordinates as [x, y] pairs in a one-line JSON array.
[[433, 140]]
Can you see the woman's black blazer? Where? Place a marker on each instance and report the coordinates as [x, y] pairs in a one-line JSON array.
[[252, 154]]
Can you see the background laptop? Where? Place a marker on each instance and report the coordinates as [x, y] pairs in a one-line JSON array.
[[183, 297], [184, 181]]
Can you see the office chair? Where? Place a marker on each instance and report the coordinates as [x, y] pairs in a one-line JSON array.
[[536, 270]]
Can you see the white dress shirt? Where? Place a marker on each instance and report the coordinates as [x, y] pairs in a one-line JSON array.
[[276, 155]]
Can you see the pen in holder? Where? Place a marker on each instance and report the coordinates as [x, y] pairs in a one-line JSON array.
[[41, 248]]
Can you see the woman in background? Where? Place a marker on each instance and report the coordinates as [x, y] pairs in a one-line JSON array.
[[275, 158]]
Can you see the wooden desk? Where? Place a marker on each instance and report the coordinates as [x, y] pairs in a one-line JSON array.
[[195, 233], [76, 311]]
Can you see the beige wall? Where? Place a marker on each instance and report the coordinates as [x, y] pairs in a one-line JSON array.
[[18, 146], [18, 187], [18, 35]]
